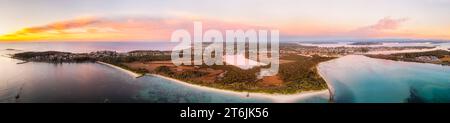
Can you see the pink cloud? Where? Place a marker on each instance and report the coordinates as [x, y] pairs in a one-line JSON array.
[[380, 28], [387, 23], [124, 28]]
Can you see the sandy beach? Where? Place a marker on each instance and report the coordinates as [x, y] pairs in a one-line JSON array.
[[277, 98], [330, 87], [133, 74]]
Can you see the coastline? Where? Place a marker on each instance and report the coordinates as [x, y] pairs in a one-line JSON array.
[[277, 98], [409, 62], [404, 51], [412, 61], [331, 90], [131, 73]]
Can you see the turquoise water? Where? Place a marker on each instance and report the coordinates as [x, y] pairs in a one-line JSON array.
[[353, 78], [361, 79], [92, 82]]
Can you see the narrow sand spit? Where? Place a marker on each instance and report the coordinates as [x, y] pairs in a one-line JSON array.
[[277, 98], [133, 74]]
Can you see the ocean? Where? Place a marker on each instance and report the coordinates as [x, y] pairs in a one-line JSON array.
[[354, 78]]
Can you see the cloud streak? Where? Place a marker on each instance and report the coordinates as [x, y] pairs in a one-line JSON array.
[[160, 29], [63, 25], [382, 27], [118, 29], [386, 23]]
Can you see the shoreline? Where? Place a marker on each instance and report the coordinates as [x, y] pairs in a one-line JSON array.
[[131, 73], [276, 98], [401, 60], [403, 51], [329, 86], [410, 62]]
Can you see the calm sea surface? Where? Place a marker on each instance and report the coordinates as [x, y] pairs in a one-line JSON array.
[[354, 79], [92, 82], [357, 78]]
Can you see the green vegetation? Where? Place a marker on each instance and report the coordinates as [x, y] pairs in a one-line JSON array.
[[297, 76], [234, 78], [28, 55], [191, 74], [53, 57], [236, 75], [293, 77], [165, 70], [441, 57], [437, 53], [120, 62], [302, 74], [187, 74]]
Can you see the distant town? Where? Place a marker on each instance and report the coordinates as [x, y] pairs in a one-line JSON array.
[[55, 56], [297, 72], [341, 51], [441, 57]]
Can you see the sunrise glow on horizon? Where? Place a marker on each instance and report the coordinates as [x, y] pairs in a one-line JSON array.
[[143, 20]]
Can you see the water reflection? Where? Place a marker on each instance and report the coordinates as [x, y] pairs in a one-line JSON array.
[[361, 79], [91, 82]]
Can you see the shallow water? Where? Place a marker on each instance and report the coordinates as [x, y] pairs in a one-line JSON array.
[[358, 78], [92, 82], [354, 79]]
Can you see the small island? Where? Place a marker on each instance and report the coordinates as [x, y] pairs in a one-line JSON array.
[[440, 57], [366, 43], [10, 49], [298, 66], [297, 73]]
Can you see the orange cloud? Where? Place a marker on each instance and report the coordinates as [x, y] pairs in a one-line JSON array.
[[386, 27], [116, 29], [389, 28], [58, 26], [382, 27], [160, 29]]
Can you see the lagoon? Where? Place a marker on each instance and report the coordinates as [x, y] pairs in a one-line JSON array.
[[353, 78], [360, 79], [94, 82]]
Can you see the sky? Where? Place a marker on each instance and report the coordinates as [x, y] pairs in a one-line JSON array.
[[151, 20]]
